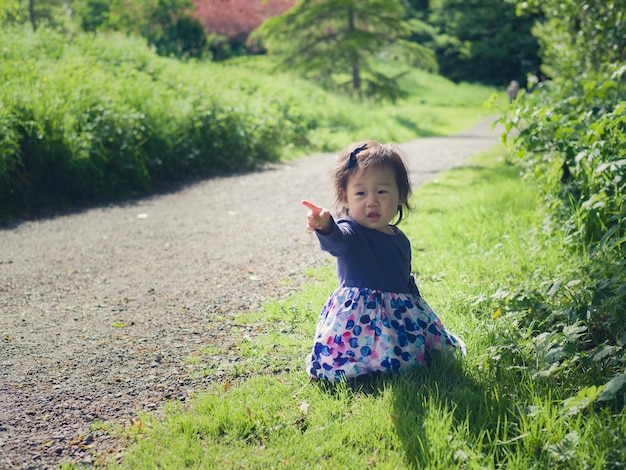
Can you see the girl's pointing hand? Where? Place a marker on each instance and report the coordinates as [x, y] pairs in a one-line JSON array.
[[318, 218]]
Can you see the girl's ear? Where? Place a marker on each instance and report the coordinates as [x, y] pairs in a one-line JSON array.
[[403, 198], [344, 198]]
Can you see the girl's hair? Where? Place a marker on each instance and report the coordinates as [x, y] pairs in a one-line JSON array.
[[365, 155]]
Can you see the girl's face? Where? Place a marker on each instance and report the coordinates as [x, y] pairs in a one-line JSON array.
[[372, 198]]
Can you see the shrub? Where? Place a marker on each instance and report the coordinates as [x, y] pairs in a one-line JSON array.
[[572, 138], [100, 117]]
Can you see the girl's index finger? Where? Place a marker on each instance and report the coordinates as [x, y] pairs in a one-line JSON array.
[[316, 209]]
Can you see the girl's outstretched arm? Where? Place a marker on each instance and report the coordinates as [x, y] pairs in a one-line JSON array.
[[318, 218]]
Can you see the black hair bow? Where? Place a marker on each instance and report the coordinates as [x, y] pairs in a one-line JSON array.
[[352, 160]]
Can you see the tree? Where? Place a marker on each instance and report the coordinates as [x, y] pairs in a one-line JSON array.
[[51, 12], [92, 14], [579, 36], [228, 23], [484, 41], [235, 19], [9, 10], [417, 8], [340, 43], [169, 25]]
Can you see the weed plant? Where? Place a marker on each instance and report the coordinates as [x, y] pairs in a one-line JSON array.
[[477, 233]]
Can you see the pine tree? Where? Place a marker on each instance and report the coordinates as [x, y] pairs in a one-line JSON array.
[[341, 43]]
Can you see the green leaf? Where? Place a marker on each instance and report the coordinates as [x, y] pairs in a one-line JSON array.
[[555, 287], [612, 387], [574, 332], [581, 400]]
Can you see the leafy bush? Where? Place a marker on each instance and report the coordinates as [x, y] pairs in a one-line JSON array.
[[572, 138], [101, 117], [576, 131]]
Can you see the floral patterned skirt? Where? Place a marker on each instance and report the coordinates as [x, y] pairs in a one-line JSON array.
[[363, 331]]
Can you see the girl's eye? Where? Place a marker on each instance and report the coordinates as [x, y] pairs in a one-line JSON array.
[[360, 193], [382, 191]]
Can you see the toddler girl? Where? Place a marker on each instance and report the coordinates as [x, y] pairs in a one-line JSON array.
[[376, 320]]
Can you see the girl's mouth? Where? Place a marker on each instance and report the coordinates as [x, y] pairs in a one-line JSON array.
[[373, 216]]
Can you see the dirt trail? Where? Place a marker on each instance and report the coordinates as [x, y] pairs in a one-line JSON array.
[[99, 309]]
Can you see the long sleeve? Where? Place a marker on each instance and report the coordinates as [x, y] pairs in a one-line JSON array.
[[338, 241]]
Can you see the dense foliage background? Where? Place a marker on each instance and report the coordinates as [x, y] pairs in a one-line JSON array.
[[482, 40], [83, 99], [96, 117], [572, 137], [485, 41]]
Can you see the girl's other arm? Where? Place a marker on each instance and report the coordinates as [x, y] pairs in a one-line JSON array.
[[318, 218]]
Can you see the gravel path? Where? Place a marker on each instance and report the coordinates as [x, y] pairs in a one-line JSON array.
[[99, 309]]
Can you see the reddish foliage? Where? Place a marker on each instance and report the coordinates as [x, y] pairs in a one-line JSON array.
[[235, 19]]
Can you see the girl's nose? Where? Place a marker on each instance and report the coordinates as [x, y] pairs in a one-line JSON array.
[[372, 200]]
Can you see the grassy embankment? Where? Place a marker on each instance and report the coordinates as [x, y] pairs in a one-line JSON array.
[[476, 232], [96, 118]]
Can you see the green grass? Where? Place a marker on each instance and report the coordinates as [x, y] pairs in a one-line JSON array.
[[475, 232], [95, 118], [434, 106]]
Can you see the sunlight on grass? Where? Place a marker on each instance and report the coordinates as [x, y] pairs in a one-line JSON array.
[[114, 119], [473, 233], [435, 107]]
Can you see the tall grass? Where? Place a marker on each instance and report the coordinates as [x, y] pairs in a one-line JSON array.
[[474, 235], [92, 118]]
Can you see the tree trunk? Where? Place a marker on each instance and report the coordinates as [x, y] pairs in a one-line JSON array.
[[31, 12], [356, 74]]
